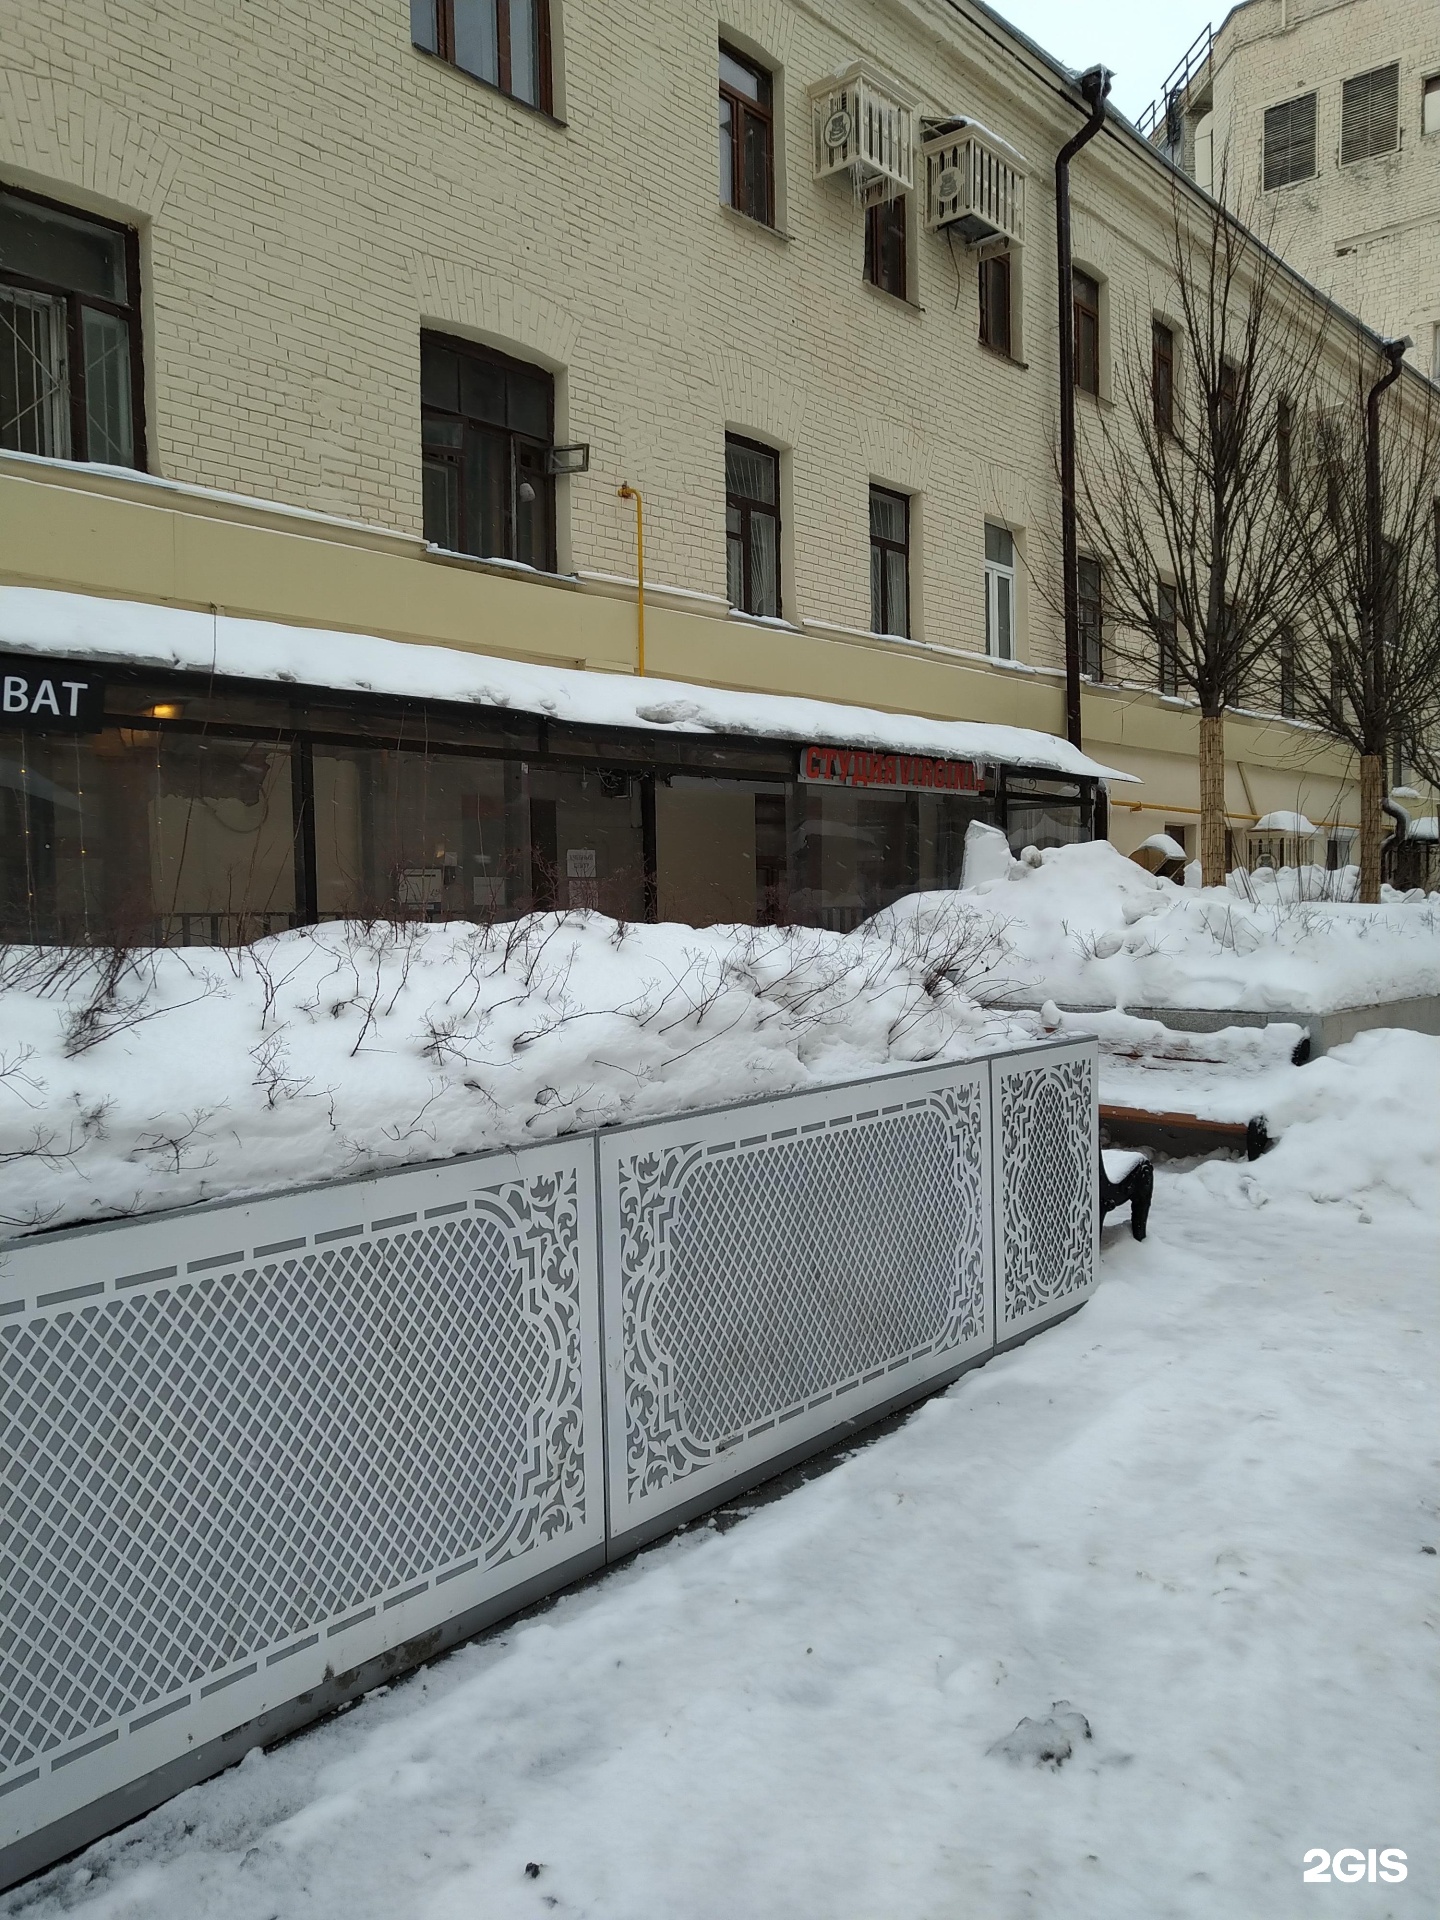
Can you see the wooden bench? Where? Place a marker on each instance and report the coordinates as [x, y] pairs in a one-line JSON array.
[[1182, 1134]]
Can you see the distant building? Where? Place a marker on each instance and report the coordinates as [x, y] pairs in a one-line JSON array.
[[1324, 116]]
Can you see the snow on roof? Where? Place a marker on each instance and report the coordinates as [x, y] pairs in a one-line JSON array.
[[1282, 822], [1427, 827], [39, 620]]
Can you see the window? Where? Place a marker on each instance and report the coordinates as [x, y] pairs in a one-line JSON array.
[[999, 592], [1290, 141], [747, 138], [1162, 376], [504, 42], [889, 562], [1287, 673], [885, 246], [1089, 584], [1168, 637], [1430, 104], [1370, 114], [1087, 332], [1284, 440], [752, 526], [486, 431], [1229, 395], [70, 383], [995, 288]]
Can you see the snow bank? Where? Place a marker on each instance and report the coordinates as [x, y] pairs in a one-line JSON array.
[[1092, 929], [74, 625], [132, 1081]]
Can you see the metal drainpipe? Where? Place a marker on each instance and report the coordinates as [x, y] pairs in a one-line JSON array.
[[1394, 351], [1094, 89]]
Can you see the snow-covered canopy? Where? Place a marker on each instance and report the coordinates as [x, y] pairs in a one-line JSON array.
[[1425, 828], [1282, 822], [79, 626], [1165, 843]]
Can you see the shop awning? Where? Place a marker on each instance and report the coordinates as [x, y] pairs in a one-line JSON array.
[[77, 626]]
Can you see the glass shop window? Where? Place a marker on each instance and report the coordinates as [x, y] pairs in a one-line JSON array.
[[587, 841], [69, 334], [1042, 813], [721, 850]]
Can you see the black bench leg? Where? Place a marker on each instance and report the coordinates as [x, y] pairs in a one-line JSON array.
[[1142, 1189]]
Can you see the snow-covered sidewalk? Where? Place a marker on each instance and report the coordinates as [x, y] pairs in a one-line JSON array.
[[1202, 1511]]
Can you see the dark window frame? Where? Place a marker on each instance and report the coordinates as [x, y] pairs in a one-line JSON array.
[[1091, 605], [442, 13], [887, 247], [131, 313], [1085, 311], [884, 546], [747, 508], [1162, 376], [997, 303], [1167, 662], [1287, 695], [1284, 142], [1285, 446], [520, 442], [1358, 114], [743, 110]]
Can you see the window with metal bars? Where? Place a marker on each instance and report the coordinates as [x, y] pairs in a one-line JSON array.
[[752, 526], [1090, 592], [747, 137], [995, 292], [885, 265], [1086, 301], [889, 562], [1370, 114], [505, 43], [1290, 141], [71, 383], [486, 430]]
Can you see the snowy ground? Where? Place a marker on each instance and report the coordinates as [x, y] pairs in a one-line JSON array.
[[1202, 1512]]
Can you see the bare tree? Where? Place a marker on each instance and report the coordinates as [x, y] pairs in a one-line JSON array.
[[1182, 484], [1367, 531]]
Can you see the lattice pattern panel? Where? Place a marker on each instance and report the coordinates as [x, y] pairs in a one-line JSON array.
[[1046, 1171], [205, 1468], [764, 1275]]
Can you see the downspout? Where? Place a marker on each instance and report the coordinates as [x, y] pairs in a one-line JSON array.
[[1094, 89], [627, 492], [1394, 351]]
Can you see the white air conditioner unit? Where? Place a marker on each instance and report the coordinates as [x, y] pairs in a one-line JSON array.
[[864, 126], [974, 183]]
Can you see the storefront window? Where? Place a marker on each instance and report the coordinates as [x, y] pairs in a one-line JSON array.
[[721, 850], [587, 840], [1043, 813]]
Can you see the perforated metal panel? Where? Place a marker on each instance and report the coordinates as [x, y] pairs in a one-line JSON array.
[[1047, 1215], [250, 1443], [771, 1271]]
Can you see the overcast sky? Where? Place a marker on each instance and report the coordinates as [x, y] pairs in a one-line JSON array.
[[1141, 39]]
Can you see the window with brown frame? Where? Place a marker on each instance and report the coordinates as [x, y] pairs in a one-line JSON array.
[[1162, 376], [1168, 652], [885, 246], [486, 432], [71, 381], [752, 526], [1090, 587], [995, 286], [1086, 302], [889, 562], [747, 137], [505, 43]]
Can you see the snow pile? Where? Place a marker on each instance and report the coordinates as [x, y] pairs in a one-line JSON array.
[[1274, 885], [154, 1078], [1090, 928]]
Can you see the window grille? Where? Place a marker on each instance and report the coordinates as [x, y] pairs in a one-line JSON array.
[[1370, 114], [1290, 141]]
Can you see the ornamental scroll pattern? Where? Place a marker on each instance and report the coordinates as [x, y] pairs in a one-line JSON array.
[[210, 1466], [1047, 1184], [762, 1276]]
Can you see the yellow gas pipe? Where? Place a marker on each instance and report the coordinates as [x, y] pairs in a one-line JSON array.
[[627, 492]]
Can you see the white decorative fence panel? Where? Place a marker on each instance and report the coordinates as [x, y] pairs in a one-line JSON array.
[[1047, 1210], [772, 1271], [253, 1445]]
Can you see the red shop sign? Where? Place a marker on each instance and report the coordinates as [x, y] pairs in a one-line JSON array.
[[900, 772]]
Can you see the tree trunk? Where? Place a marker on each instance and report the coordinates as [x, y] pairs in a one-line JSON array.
[[1212, 799], [1372, 791]]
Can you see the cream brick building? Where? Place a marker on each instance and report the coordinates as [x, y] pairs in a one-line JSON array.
[[1328, 112], [308, 191]]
